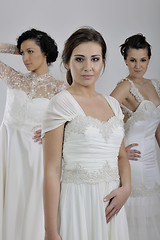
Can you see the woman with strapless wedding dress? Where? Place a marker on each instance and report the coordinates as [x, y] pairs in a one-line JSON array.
[[21, 163], [140, 102]]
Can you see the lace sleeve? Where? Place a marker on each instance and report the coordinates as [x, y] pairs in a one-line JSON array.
[[8, 48], [56, 87], [9, 76]]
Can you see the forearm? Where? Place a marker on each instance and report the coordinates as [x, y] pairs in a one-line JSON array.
[[124, 169], [125, 174], [8, 48], [158, 135], [51, 201]]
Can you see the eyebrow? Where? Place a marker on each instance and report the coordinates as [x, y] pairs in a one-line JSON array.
[[80, 55]]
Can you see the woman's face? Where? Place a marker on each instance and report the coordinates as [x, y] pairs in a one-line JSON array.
[[33, 58], [86, 63], [137, 62]]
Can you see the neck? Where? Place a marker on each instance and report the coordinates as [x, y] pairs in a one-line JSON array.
[[41, 71], [134, 79], [88, 91]]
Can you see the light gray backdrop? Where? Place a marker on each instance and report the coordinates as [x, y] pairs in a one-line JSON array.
[[115, 19]]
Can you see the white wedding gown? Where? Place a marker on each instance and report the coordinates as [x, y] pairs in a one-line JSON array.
[[90, 169], [21, 163], [143, 205]]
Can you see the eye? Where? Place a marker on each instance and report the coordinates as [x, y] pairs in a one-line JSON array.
[[30, 51], [132, 60], [95, 59], [143, 59], [79, 59], [21, 53]]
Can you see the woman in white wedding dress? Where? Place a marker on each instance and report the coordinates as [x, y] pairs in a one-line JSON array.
[[140, 101], [85, 129], [21, 163]]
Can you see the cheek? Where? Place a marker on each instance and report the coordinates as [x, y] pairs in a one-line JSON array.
[[74, 69]]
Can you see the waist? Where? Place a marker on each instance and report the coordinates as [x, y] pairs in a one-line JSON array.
[[77, 173]]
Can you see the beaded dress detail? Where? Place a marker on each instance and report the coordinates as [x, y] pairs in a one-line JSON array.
[[142, 207], [21, 162], [90, 169]]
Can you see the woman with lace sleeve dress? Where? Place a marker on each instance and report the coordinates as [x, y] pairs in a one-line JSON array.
[[85, 129], [140, 101], [21, 163]]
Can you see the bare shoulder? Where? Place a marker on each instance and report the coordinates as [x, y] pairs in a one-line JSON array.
[[121, 91]]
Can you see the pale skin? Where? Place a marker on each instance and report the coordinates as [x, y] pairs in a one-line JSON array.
[[34, 60], [137, 62], [85, 65]]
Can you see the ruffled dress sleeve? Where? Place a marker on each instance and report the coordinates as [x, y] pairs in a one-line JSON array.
[[114, 104], [61, 109]]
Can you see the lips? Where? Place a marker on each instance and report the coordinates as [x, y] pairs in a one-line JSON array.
[[27, 64], [87, 76]]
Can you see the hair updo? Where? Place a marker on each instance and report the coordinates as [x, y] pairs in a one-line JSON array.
[[137, 41], [82, 35], [47, 44]]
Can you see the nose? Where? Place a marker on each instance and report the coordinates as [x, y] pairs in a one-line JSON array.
[[25, 57], [88, 65], [138, 64]]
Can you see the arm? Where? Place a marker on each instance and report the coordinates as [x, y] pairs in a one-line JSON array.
[[8, 48], [121, 92], [52, 148], [158, 135], [119, 196]]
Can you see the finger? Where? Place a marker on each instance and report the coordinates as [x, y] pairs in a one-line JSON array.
[[38, 131], [110, 215], [131, 145], [134, 151], [109, 197]]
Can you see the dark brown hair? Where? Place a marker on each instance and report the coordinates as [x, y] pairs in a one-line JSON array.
[[85, 34], [137, 41]]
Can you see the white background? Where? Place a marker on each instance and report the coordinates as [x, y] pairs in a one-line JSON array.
[[114, 19]]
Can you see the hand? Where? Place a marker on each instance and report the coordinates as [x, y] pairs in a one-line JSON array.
[[37, 136], [117, 199], [133, 154]]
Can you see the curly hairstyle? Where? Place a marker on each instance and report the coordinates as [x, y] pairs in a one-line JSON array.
[[47, 44], [137, 41], [82, 35]]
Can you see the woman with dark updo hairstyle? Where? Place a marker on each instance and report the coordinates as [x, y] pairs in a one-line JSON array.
[[21, 164], [84, 130], [140, 101]]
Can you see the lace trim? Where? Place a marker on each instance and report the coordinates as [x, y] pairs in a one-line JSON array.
[[156, 84], [44, 86], [81, 123], [80, 175], [10, 48], [134, 91], [139, 114], [145, 192]]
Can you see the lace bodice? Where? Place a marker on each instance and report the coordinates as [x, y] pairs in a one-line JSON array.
[[35, 87], [44, 86], [138, 96], [91, 146]]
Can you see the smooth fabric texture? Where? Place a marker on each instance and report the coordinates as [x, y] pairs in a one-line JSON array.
[[142, 207], [90, 169], [21, 168]]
